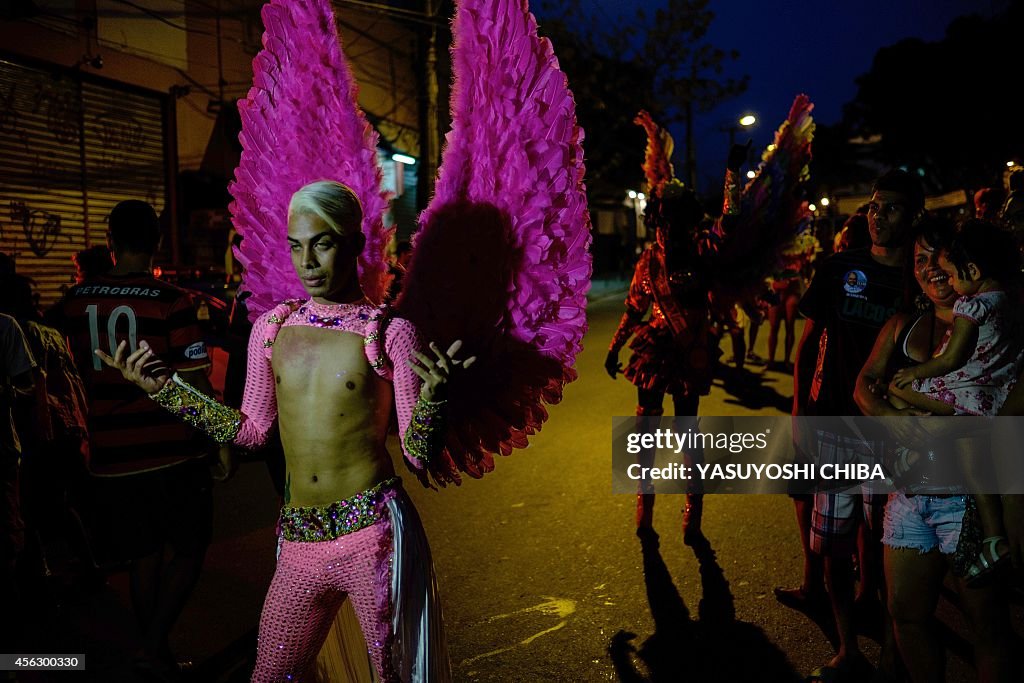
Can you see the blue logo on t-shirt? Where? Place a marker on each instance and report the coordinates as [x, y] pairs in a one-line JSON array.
[[855, 282]]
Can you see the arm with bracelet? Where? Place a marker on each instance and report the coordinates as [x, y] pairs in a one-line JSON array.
[[250, 428], [420, 386]]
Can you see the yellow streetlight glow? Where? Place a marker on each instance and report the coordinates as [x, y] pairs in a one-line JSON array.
[[1009, 164], [748, 120], [751, 174], [771, 147], [824, 201], [812, 207]]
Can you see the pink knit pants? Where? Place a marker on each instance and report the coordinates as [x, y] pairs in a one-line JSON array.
[[310, 584]]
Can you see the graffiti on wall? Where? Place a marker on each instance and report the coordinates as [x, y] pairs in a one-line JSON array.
[[41, 228]]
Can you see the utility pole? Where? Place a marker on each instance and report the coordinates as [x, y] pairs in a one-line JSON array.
[[429, 135]]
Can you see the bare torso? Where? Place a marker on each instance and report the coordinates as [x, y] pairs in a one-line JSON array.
[[333, 412]]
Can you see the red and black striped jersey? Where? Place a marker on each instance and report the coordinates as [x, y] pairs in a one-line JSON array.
[[129, 433]]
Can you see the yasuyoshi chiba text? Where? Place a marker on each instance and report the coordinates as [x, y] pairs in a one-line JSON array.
[[746, 471]]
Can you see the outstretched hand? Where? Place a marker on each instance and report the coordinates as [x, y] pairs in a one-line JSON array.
[[436, 372], [612, 365], [142, 367]]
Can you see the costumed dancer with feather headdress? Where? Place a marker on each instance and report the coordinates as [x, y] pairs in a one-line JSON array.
[[689, 267], [328, 367], [672, 348]]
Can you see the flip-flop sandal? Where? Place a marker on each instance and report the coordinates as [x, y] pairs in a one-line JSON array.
[[824, 674], [987, 563], [849, 671]]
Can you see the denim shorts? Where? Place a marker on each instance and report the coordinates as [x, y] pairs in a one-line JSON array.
[[923, 522]]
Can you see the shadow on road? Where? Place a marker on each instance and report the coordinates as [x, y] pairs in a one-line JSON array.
[[714, 647], [749, 389]]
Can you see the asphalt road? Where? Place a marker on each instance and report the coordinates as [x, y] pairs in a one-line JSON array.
[[544, 578]]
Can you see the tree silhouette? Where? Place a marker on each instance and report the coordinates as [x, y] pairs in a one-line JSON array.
[[946, 107], [660, 61]]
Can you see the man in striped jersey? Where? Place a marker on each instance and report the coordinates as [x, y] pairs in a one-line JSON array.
[[152, 487]]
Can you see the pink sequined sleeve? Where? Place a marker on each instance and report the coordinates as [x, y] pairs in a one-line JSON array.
[[400, 340], [259, 402]]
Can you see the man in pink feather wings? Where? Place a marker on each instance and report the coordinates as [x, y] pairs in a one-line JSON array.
[[320, 369]]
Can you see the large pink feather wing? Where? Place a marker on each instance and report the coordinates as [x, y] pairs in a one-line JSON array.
[[301, 122], [501, 260]]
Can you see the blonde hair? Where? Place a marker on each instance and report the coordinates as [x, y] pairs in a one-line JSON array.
[[333, 202]]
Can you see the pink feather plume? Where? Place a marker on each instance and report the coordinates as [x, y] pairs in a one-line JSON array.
[[658, 155], [301, 122]]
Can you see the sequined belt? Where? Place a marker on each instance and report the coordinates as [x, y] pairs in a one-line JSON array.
[[328, 522]]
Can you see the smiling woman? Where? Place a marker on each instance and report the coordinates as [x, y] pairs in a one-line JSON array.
[[922, 525]]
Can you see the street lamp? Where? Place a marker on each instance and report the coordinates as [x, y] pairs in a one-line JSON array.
[[638, 202], [745, 121]]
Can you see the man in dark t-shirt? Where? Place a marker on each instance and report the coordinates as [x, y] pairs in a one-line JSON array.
[[851, 296]]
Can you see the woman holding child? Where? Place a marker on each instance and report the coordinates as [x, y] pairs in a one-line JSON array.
[[922, 526]]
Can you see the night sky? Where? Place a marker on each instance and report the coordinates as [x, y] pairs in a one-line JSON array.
[[792, 46]]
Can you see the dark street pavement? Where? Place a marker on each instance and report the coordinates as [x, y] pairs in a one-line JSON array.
[[542, 575]]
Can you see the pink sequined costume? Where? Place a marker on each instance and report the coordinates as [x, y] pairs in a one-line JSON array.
[[370, 547], [662, 362]]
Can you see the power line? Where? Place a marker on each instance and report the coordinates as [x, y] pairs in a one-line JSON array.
[[373, 39], [411, 15], [161, 18]]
